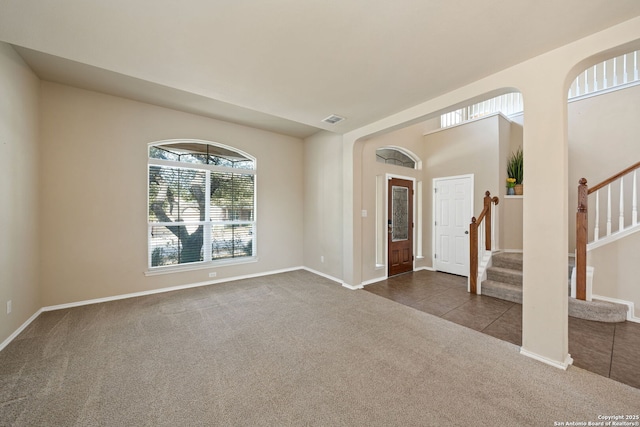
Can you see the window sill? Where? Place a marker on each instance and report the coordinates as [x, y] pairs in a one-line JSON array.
[[513, 197], [199, 266]]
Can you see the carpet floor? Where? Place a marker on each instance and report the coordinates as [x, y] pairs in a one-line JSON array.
[[291, 349]]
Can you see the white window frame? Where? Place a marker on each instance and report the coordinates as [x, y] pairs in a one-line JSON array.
[[207, 236]]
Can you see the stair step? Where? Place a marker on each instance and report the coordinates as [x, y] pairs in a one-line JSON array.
[[599, 311], [505, 275], [502, 290], [513, 261], [504, 281], [509, 260]]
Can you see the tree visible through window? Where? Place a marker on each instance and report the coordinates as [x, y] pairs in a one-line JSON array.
[[201, 203]]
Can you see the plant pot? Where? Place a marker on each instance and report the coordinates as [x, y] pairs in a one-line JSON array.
[[518, 189], [511, 191]]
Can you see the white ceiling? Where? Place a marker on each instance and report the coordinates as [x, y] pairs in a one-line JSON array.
[[284, 65]]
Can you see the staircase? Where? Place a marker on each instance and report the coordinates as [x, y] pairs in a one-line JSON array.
[[504, 281]]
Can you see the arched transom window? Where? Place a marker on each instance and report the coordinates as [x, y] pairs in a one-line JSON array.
[[393, 156], [201, 203]]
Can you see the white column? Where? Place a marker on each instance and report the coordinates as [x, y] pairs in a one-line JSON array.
[[545, 222]]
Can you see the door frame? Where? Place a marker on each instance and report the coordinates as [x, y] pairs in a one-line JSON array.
[[433, 210], [387, 177]]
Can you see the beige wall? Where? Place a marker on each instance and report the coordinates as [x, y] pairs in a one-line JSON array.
[[93, 194], [617, 270], [19, 89], [323, 203]]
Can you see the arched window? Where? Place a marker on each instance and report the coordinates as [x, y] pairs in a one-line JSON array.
[[201, 203], [393, 156]]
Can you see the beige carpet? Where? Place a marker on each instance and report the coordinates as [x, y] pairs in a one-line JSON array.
[[291, 349]]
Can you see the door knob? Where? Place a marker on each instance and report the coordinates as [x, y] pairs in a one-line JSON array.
[[466, 232]]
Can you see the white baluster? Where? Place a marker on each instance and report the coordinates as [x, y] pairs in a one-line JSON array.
[[635, 65], [596, 230], [595, 78], [609, 210], [578, 86], [634, 201], [493, 227], [621, 217], [481, 241], [586, 81], [615, 72], [604, 74], [624, 66]]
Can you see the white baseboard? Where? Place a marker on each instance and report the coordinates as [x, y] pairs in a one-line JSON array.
[[326, 276], [162, 290], [630, 312], [512, 251], [425, 268], [372, 281], [353, 287], [143, 293], [560, 365], [20, 329]]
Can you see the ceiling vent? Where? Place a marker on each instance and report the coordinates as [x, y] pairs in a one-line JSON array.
[[333, 119]]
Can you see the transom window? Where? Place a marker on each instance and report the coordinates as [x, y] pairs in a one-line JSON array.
[[393, 156], [201, 203]]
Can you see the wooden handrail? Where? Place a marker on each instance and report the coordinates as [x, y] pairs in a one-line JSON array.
[[613, 178], [473, 239], [582, 223]]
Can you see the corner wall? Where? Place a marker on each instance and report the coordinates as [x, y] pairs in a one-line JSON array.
[[19, 172], [323, 203], [94, 194]]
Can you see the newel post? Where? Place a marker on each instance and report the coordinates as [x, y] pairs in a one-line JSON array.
[[581, 241], [473, 256]]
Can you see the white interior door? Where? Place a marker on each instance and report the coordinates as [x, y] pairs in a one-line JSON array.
[[453, 209]]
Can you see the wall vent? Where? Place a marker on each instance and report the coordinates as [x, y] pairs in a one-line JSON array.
[[333, 119]]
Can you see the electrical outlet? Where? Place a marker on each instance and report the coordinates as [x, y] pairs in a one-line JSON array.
[[213, 274], [9, 307]]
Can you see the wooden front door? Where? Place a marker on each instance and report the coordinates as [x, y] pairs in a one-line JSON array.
[[400, 226]]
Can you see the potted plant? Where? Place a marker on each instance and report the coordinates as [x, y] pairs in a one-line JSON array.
[[514, 170], [511, 183]]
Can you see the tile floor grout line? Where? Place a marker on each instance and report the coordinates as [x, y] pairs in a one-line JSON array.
[[496, 319], [453, 309]]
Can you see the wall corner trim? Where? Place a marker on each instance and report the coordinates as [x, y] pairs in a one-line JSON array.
[[326, 276], [20, 329], [560, 365]]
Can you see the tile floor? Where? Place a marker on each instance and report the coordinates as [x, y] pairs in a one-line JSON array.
[[608, 349]]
